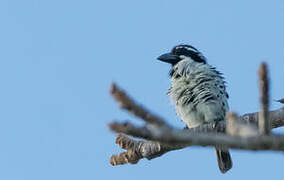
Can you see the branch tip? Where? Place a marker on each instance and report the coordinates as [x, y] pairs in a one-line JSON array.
[[280, 101], [263, 122]]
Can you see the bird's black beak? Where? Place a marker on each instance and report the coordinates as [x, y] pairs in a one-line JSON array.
[[169, 58]]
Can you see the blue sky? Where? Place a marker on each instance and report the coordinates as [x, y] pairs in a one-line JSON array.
[[58, 59]]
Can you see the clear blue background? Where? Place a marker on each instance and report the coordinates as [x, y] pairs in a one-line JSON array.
[[58, 58]]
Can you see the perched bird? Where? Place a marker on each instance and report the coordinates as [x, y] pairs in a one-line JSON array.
[[198, 91]]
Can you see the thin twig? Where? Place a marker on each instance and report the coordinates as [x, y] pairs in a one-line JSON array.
[[263, 122], [128, 104]]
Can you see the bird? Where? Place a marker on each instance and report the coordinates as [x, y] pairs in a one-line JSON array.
[[198, 91]]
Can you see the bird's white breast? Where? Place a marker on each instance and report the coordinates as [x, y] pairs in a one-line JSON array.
[[198, 92]]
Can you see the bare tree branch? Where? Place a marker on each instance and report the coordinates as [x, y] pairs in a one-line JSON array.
[[185, 137], [151, 149], [167, 138], [263, 122]]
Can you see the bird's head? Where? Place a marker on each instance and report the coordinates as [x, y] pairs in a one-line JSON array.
[[181, 52]]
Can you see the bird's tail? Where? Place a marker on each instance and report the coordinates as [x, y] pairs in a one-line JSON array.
[[224, 160]]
